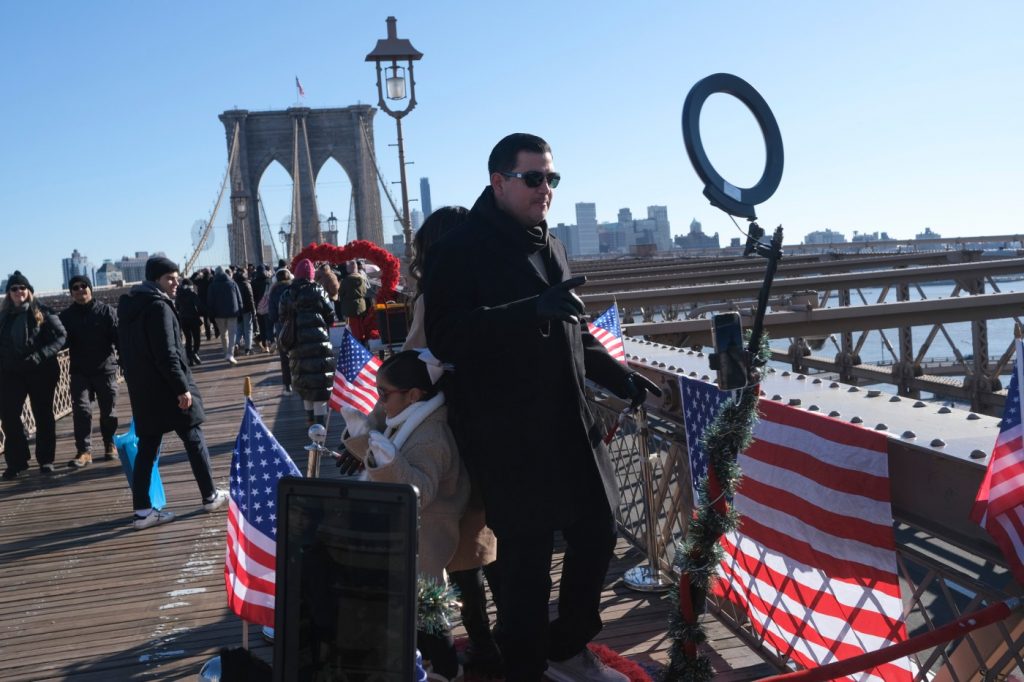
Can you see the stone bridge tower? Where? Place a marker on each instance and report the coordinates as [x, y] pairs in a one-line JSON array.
[[301, 140]]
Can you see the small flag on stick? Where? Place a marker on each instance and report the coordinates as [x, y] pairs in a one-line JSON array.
[[250, 566], [999, 505], [608, 330], [355, 381]]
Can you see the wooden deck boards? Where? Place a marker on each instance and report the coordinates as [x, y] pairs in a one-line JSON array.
[[83, 596]]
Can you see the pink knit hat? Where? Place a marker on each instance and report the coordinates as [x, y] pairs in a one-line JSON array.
[[304, 269]]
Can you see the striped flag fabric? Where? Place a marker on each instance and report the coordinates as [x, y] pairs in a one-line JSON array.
[[607, 329], [355, 380], [999, 505], [257, 464], [813, 563]]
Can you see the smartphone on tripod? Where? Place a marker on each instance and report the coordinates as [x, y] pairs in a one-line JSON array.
[[730, 356]]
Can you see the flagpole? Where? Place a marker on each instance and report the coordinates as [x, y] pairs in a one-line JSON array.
[[247, 392]]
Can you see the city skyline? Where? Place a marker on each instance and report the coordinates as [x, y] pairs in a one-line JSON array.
[[894, 117]]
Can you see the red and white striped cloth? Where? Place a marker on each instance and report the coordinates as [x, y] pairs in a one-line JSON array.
[[813, 563]]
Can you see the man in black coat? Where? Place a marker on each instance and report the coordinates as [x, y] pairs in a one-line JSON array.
[[163, 393], [92, 346], [500, 307]]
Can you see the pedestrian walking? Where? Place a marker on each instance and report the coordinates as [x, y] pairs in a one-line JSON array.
[[92, 348], [224, 302]]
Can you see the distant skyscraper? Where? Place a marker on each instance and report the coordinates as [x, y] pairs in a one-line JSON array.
[[425, 197], [662, 230], [76, 265], [587, 241], [417, 219], [625, 216]]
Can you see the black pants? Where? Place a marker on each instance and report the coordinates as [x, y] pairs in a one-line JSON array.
[[198, 458], [104, 386], [474, 603], [38, 386], [526, 637], [192, 330]]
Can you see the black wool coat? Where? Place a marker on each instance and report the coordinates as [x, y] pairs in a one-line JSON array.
[[154, 361], [516, 396]]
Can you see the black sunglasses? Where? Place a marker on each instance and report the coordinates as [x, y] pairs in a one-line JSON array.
[[79, 287], [17, 287], [533, 178]]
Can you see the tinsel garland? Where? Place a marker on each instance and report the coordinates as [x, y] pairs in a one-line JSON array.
[[436, 605], [698, 556]]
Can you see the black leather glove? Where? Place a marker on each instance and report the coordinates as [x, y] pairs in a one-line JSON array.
[[560, 303], [32, 360], [347, 463], [637, 386]]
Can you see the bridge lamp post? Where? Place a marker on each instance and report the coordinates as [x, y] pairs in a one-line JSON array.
[[331, 235], [393, 80], [241, 210], [284, 237]]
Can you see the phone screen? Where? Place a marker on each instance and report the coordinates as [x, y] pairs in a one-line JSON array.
[[732, 370]]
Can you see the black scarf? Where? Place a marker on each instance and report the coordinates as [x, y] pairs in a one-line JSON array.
[[528, 240]]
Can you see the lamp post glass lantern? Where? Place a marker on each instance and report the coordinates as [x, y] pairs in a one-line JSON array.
[[399, 82]]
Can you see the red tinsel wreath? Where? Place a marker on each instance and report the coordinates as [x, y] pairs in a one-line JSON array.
[[360, 248]]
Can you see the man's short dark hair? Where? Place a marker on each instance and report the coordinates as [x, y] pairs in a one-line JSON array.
[[504, 155]]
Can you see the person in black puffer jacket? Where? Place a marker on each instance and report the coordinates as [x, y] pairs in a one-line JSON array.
[[31, 335], [306, 306]]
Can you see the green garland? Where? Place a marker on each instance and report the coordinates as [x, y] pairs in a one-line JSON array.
[[699, 554], [436, 605]]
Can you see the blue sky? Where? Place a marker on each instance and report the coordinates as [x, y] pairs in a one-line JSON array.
[[894, 116]]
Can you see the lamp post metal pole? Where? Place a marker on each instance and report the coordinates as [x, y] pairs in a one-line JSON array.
[[406, 219]]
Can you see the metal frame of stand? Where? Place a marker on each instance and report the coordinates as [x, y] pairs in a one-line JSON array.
[[647, 577]]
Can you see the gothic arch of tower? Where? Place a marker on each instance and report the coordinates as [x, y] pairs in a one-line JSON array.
[[301, 140]]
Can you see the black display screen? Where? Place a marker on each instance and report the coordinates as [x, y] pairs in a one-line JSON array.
[[346, 581]]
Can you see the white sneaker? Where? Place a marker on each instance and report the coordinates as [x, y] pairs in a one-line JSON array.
[[231, 360], [155, 518], [583, 667], [219, 499]]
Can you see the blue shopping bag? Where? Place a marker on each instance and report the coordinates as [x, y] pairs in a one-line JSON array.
[[127, 445]]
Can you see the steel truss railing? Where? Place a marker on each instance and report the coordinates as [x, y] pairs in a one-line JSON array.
[[935, 589]]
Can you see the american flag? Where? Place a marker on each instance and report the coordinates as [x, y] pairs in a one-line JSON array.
[[813, 563], [701, 401], [257, 464], [355, 381], [298, 86], [608, 331], [999, 506]]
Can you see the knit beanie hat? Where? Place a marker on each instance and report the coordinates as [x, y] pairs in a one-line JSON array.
[[18, 278], [158, 266], [283, 275], [304, 269], [79, 279]]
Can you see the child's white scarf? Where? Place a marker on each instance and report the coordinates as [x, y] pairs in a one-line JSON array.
[[401, 426]]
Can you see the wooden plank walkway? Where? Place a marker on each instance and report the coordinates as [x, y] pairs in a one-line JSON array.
[[83, 596]]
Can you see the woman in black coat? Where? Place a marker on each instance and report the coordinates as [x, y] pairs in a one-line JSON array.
[[31, 335], [305, 306]]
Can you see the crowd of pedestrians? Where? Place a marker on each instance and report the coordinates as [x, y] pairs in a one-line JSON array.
[[494, 302]]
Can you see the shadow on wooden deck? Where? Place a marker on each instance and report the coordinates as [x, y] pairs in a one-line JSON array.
[[83, 596]]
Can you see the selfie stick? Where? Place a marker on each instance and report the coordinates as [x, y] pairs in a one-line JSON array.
[[773, 252]]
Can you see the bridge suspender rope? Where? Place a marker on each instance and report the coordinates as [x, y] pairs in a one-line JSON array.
[[380, 177], [312, 183], [209, 224]]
